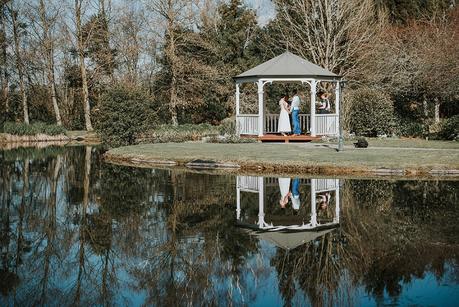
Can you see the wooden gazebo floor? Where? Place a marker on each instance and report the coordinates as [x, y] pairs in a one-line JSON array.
[[288, 138]]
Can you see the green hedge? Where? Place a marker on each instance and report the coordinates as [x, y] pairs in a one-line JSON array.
[[409, 128], [124, 113], [32, 129], [178, 134], [450, 128], [371, 112]]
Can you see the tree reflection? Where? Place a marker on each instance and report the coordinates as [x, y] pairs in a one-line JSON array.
[[77, 230], [389, 244]]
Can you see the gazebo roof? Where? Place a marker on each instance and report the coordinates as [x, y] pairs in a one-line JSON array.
[[291, 240], [287, 66]]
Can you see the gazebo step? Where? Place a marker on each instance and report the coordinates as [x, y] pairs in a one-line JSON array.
[[288, 138]]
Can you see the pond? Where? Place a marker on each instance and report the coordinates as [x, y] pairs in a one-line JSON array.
[[77, 230]]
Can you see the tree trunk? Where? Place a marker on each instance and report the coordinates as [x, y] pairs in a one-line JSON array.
[[87, 177], [171, 54], [49, 52], [173, 106], [437, 110], [25, 108], [4, 73], [22, 208], [84, 79], [426, 117], [424, 107]]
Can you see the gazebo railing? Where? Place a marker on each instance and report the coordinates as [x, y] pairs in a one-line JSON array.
[[247, 124], [326, 124], [323, 185], [272, 123], [248, 183]]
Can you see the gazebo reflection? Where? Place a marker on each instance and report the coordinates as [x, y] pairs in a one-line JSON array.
[[290, 211]]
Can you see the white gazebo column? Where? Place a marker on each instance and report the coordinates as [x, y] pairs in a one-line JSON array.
[[313, 203], [337, 202], [337, 106], [260, 108], [238, 95], [238, 200], [261, 201], [313, 107]]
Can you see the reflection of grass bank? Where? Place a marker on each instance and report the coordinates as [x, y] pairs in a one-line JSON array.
[[295, 158], [11, 141]]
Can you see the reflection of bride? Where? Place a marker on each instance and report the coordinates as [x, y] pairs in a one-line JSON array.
[[284, 187]]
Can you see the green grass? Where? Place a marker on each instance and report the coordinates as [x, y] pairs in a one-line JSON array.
[[409, 143], [293, 155], [32, 129], [181, 133]]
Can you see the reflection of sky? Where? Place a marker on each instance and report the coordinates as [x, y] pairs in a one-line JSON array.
[[428, 290], [259, 279]]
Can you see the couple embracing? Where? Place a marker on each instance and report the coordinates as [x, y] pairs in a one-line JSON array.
[[284, 126]]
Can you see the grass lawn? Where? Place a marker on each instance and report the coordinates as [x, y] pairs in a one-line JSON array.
[[409, 143], [300, 157]]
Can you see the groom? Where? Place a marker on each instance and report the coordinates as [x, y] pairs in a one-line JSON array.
[[295, 110]]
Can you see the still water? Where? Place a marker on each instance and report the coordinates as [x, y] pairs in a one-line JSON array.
[[76, 230]]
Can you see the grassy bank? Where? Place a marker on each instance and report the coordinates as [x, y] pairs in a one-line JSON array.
[[38, 128], [299, 158], [409, 143]]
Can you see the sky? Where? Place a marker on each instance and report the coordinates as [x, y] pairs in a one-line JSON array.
[[265, 9]]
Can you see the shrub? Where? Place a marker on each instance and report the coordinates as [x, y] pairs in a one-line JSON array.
[[371, 112], [123, 114], [410, 128], [54, 130], [32, 129], [178, 134], [230, 139], [450, 128], [228, 126]]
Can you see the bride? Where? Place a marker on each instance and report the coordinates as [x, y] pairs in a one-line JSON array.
[[284, 119], [284, 187]]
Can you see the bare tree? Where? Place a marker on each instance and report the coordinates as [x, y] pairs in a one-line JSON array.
[[186, 55], [330, 32], [19, 63], [4, 54], [170, 11], [405, 61], [48, 49], [130, 38], [84, 78]]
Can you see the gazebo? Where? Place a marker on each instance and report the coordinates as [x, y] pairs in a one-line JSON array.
[[259, 185], [288, 67]]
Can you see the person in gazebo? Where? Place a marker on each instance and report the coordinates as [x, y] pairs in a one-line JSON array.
[[295, 195], [284, 187], [284, 119], [295, 110], [324, 104]]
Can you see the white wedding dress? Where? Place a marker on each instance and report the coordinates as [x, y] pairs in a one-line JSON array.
[[284, 119], [284, 186]]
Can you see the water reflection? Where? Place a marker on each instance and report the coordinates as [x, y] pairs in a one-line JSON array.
[[75, 230], [304, 204]]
